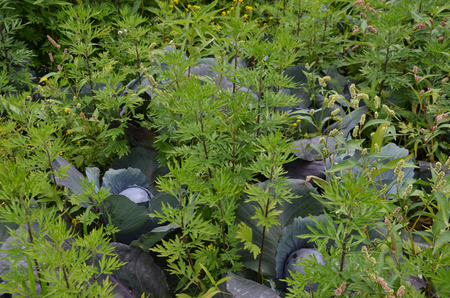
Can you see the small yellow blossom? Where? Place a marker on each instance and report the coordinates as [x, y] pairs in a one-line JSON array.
[[60, 153], [232, 8], [67, 110], [75, 221], [78, 143], [306, 135], [270, 18], [248, 7], [265, 24], [210, 247], [245, 16], [43, 79], [223, 13], [171, 6], [228, 12], [295, 124]]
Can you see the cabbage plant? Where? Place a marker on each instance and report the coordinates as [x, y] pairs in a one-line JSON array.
[[129, 202], [292, 250]]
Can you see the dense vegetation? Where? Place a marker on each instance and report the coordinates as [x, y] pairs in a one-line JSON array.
[[297, 148]]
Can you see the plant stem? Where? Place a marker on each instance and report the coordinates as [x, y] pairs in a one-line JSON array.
[[204, 143], [385, 63], [264, 228], [5, 49], [88, 65], [344, 247], [138, 61], [259, 99], [235, 64], [30, 234]]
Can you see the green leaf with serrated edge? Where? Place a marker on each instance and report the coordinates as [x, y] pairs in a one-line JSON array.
[[303, 205], [374, 122], [245, 234], [377, 137], [346, 164], [391, 165], [443, 205], [443, 239]]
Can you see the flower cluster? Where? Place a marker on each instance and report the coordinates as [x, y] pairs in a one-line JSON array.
[[53, 42], [386, 288], [419, 26], [439, 117], [323, 81], [341, 289], [372, 28]]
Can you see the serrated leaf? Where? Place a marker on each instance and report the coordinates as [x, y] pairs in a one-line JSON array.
[[443, 239]]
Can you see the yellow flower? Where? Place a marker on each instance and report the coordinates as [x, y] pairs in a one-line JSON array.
[[295, 124], [67, 110], [75, 221], [228, 12], [299, 120], [78, 143], [171, 6], [43, 79], [265, 24], [60, 153], [223, 13], [176, 1], [189, 6], [270, 18], [210, 247], [245, 16], [218, 27], [248, 7], [306, 135], [232, 8]]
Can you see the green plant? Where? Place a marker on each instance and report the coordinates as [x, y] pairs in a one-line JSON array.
[[13, 53], [273, 153], [31, 199], [390, 255]]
